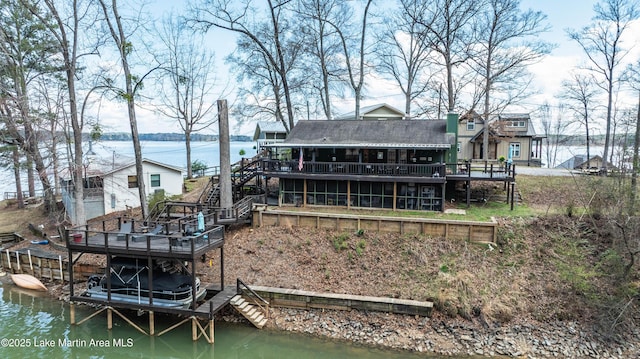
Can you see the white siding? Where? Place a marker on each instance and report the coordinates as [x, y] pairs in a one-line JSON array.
[[125, 197]]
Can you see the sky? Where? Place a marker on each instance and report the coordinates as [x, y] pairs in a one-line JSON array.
[[548, 73]]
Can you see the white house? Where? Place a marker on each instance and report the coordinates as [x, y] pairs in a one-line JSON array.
[[116, 189]]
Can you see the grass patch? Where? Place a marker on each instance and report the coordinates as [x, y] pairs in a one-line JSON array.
[[360, 247], [340, 242], [195, 183]]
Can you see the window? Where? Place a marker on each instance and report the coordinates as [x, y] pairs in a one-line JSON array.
[[459, 146], [155, 180], [471, 124], [133, 181], [514, 148], [518, 124]]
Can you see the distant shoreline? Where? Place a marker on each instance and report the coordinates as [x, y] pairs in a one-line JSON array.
[[123, 136]]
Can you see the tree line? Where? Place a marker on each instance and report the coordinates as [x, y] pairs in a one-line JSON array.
[[61, 61]]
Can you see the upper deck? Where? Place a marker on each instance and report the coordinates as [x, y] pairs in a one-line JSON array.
[[379, 172], [164, 240]]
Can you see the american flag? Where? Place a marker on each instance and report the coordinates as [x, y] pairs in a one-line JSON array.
[[300, 162]]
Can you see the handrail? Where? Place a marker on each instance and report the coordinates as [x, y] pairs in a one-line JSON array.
[[265, 309], [357, 168]]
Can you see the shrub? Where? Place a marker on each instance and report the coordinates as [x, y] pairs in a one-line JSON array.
[[340, 242], [198, 167]]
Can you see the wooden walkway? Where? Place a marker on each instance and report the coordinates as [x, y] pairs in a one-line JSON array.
[[217, 302]]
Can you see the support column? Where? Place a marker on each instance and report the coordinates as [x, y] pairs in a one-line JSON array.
[[468, 183], [513, 189], [211, 331], [72, 313], [304, 192], [194, 329], [109, 318], [222, 267], [349, 192], [226, 195], [152, 324], [395, 195], [508, 188]]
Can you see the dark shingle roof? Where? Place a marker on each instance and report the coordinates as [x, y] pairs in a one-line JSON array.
[[371, 134]]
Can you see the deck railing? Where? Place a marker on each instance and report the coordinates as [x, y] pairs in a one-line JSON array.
[[355, 168], [252, 296]]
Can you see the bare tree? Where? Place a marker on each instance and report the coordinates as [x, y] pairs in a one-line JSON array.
[[113, 21], [50, 98], [506, 45], [186, 82], [447, 28], [323, 47], [554, 131], [355, 64], [267, 39], [602, 42], [403, 52], [580, 92], [634, 82], [262, 89]]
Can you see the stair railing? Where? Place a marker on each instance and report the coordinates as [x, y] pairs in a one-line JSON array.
[[255, 298]]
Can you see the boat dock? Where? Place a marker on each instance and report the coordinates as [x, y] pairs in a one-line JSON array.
[[169, 245]]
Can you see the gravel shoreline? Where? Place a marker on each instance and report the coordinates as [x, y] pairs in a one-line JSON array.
[[453, 337]]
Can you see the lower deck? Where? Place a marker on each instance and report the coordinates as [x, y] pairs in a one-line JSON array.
[[215, 300]]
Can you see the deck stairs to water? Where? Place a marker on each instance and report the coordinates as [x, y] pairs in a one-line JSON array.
[[252, 312]]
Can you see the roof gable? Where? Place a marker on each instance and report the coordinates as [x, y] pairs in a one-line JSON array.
[[270, 127], [144, 160], [375, 112]]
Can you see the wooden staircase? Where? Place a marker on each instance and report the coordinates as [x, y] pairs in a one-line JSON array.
[[252, 312]]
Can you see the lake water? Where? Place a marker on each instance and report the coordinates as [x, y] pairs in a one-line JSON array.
[[35, 326], [172, 153]]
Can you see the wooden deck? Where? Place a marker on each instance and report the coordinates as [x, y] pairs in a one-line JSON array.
[[204, 310], [217, 302], [174, 245]]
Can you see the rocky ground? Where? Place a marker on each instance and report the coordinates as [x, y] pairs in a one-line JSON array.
[[489, 300]]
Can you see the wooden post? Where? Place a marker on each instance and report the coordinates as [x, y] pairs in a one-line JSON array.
[[109, 318], [152, 328], [513, 189], [194, 329], [211, 331], [395, 195], [70, 266], [221, 267], [304, 193], [72, 313], [61, 273], [349, 192], [226, 195]]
